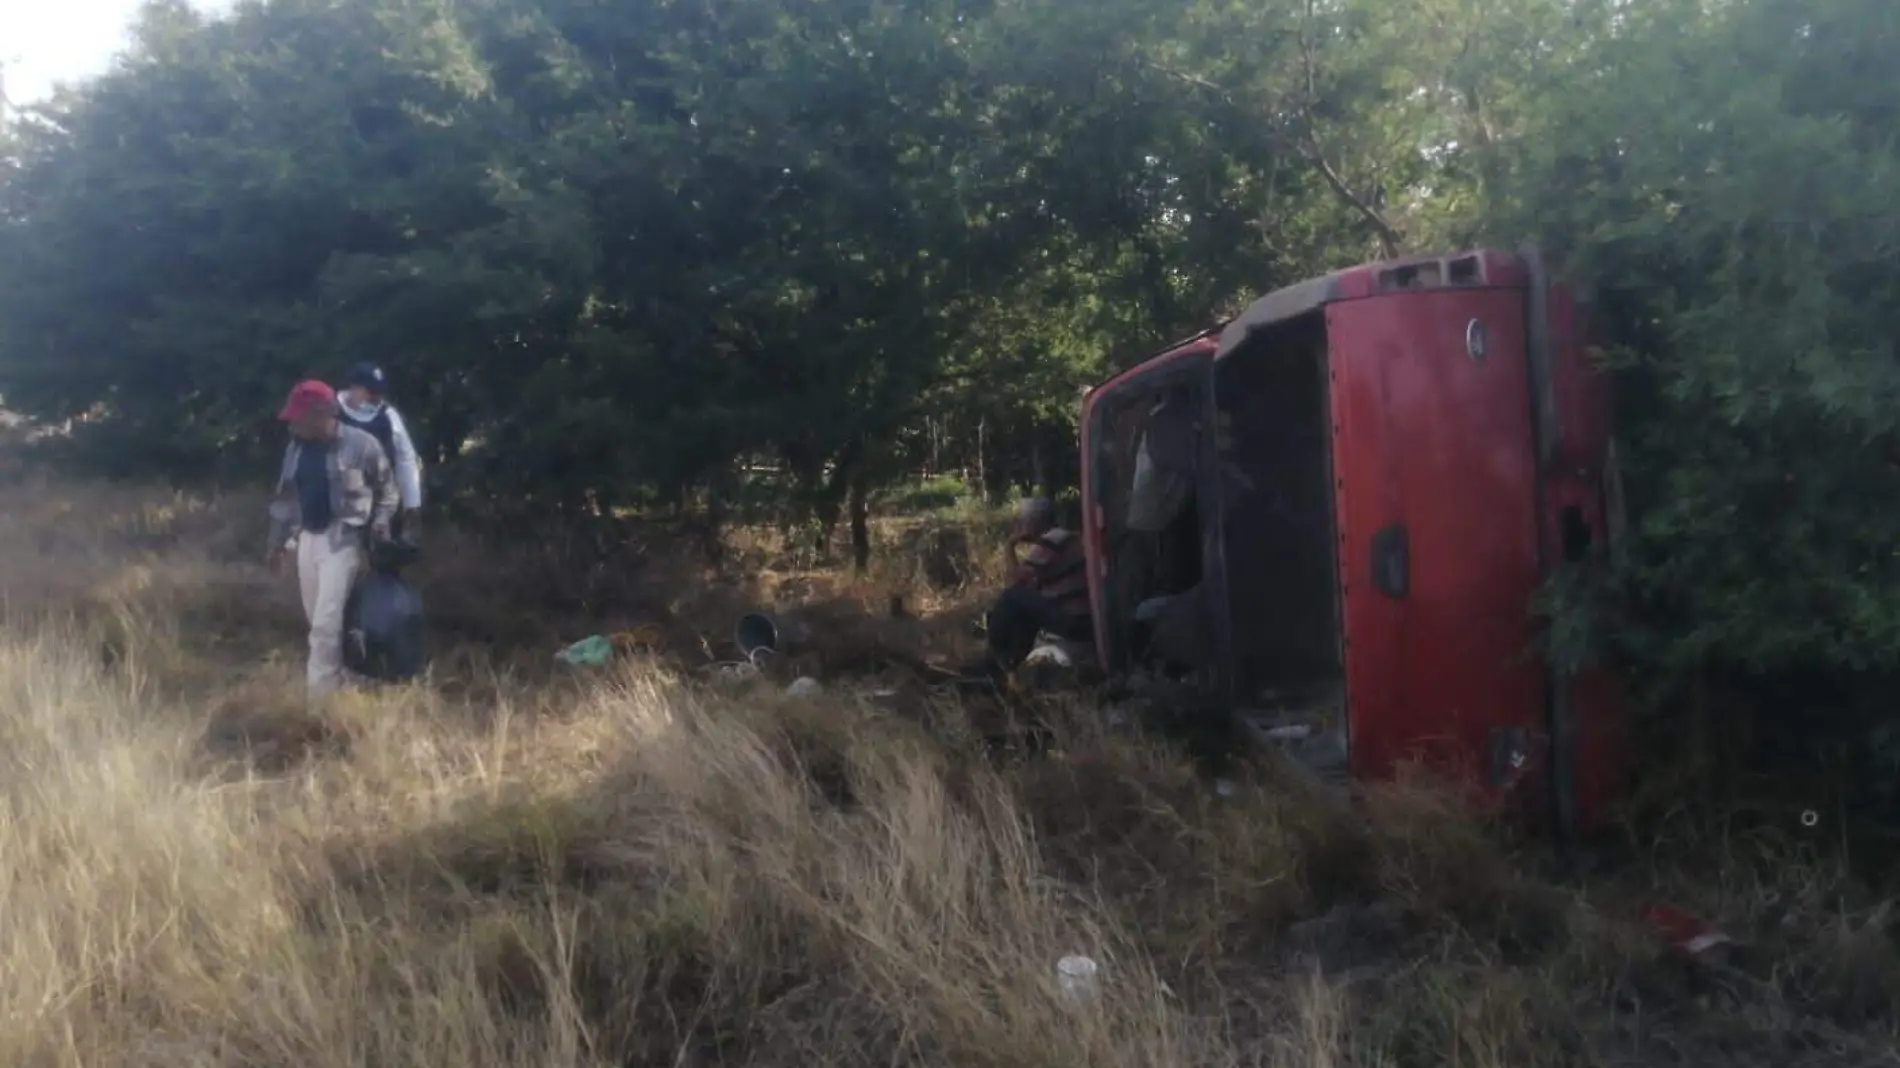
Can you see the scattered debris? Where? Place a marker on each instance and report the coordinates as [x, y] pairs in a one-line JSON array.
[[1076, 979], [1047, 667], [759, 632], [733, 673], [591, 651], [1691, 936], [1048, 654], [596, 649]]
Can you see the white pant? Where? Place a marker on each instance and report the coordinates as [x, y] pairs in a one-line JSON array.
[[327, 566]]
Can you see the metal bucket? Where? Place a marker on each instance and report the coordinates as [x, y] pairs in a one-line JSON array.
[[759, 633]]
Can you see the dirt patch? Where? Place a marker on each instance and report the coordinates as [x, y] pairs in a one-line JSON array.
[[258, 728]]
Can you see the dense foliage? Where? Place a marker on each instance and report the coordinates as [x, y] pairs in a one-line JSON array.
[[610, 250], [641, 252]]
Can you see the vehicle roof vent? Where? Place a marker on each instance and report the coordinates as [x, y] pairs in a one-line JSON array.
[[1431, 274], [1424, 275]]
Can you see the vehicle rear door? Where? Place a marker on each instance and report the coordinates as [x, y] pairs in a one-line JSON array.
[[1436, 479]]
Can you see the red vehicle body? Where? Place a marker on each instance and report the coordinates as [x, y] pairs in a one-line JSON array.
[[1365, 478]]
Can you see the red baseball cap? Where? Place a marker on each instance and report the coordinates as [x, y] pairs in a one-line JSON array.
[[307, 397]]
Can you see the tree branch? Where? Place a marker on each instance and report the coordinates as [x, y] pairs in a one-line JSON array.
[[1389, 237], [1309, 149]]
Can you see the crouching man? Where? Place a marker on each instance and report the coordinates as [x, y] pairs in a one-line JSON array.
[[1050, 592], [335, 491]]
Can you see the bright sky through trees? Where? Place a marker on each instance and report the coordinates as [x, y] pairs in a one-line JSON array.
[[44, 42]]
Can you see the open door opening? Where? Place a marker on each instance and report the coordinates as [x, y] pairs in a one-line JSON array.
[[1279, 530], [1153, 508]]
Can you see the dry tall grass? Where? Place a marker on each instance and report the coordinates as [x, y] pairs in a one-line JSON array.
[[634, 869]]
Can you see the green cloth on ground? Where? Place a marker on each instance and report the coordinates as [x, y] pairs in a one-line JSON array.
[[589, 651]]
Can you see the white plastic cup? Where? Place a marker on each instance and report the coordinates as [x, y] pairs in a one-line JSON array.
[[1076, 978]]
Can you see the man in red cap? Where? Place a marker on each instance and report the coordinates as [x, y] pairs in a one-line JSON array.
[[336, 488]]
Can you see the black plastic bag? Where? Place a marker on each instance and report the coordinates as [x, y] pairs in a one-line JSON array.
[[382, 628]]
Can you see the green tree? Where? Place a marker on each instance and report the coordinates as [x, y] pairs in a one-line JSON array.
[[608, 252], [1746, 245]]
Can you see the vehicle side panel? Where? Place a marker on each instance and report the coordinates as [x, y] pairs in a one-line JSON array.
[[1436, 478]]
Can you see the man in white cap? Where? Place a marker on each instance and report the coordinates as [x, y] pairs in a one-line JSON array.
[[363, 405]]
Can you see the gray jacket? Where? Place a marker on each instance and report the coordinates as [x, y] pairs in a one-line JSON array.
[[362, 486]]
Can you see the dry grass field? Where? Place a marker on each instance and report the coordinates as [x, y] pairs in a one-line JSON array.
[[644, 865]]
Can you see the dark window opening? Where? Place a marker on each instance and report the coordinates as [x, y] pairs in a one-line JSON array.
[[1576, 535]]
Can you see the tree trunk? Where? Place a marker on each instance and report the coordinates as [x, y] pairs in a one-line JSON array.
[[860, 526], [721, 488], [845, 475], [982, 467]]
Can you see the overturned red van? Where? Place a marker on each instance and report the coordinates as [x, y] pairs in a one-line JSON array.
[[1329, 517]]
